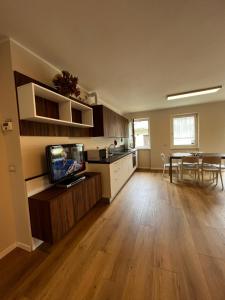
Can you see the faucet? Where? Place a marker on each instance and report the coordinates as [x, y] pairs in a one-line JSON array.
[[109, 147]]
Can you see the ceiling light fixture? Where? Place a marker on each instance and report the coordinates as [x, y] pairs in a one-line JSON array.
[[194, 93]]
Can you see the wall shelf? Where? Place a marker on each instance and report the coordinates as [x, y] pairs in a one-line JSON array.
[[40, 104]]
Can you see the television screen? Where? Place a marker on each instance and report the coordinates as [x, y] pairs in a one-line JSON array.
[[65, 161]]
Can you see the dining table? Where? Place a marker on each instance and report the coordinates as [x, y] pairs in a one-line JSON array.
[[179, 156]]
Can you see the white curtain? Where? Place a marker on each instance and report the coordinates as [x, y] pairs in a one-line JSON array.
[[184, 130]]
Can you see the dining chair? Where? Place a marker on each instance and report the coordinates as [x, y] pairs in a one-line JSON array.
[[191, 164], [212, 165], [166, 165]]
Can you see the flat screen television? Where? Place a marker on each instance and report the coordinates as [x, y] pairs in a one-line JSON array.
[[64, 161]]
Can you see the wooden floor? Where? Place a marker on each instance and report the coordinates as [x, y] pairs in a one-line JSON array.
[[155, 241]]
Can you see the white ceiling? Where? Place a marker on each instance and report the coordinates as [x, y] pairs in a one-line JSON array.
[[133, 53]]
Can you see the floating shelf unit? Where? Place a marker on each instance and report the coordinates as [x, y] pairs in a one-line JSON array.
[[40, 104]]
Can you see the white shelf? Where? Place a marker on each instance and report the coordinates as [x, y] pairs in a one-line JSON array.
[[57, 122], [27, 106]]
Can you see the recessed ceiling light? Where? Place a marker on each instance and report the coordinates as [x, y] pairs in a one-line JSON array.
[[194, 93]]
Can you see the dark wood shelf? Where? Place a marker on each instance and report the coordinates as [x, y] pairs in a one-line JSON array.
[[46, 108]]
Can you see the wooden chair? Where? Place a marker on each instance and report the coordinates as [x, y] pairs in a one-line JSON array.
[[212, 165], [166, 165], [191, 164]]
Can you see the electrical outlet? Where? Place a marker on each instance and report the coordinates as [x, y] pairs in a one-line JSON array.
[[7, 126]]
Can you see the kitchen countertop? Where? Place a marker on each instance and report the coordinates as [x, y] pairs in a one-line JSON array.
[[113, 158]]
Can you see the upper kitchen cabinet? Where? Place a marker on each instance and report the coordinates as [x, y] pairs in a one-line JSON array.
[[107, 123]]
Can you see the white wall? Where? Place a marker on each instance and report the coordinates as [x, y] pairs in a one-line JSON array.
[[211, 129], [25, 153], [7, 224], [15, 221], [33, 148], [32, 65]]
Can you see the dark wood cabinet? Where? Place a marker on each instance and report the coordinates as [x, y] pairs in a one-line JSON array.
[[55, 211], [79, 201], [108, 123], [62, 215]]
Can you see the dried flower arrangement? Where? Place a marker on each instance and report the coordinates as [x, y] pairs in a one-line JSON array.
[[66, 84]]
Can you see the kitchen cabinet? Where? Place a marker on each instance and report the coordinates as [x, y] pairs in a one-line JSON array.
[[108, 123], [114, 175], [120, 171]]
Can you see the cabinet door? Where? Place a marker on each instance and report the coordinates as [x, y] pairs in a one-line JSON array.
[[90, 192], [129, 165], [108, 123], [62, 215], [98, 119], [118, 127], [120, 171], [85, 195], [116, 180], [121, 126], [98, 187], [40, 220], [79, 201], [125, 128]]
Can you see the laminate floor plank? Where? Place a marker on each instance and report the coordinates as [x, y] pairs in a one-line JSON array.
[[156, 241], [214, 270]]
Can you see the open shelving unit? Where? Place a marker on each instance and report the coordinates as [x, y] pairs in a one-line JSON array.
[[39, 104]]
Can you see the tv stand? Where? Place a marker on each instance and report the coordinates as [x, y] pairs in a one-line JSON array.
[[56, 210]]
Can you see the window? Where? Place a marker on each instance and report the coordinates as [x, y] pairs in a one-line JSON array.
[[141, 133], [185, 131]]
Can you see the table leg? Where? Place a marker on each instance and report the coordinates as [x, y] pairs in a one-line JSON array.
[[170, 170]]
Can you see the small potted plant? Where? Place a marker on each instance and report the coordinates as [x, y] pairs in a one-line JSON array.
[[66, 84]]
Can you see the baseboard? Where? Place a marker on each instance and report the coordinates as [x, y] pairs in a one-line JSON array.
[[14, 246], [7, 250], [143, 170], [24, 246], [105, 200], [152, 170], [156, 170]]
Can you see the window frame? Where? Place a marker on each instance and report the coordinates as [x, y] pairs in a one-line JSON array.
[[194, 146], [142, 147]]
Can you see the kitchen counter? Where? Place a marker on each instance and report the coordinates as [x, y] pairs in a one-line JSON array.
[[116, 156]]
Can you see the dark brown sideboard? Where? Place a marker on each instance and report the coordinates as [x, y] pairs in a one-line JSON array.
[[56, 210]]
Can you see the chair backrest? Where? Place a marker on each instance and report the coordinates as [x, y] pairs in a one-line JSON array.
[[163, 157], [216, 160], [190, 159]]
